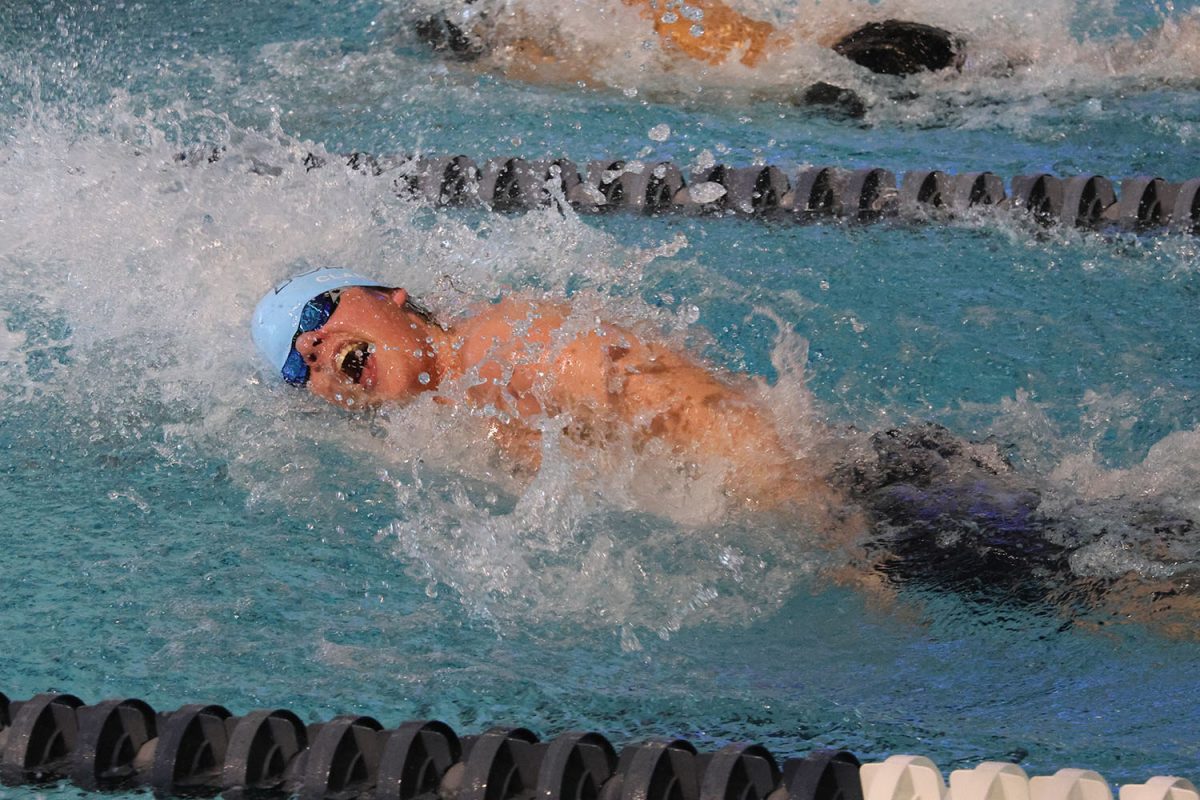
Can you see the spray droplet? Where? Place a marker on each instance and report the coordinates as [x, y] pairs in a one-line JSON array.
[[696, 30], [660, 132], [670, 17]]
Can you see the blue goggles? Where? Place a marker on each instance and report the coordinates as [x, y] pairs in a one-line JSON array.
[[316, 312]]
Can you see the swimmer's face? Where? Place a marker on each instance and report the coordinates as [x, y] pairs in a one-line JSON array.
[[371, 350]]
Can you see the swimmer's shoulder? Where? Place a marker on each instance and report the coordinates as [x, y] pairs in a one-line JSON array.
[[505, 328], [520, 317]]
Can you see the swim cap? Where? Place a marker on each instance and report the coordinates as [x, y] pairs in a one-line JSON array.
[[277, 315]]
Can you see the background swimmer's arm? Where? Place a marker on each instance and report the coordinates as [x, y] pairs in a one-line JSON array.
[[529, 60], [712, 38], [721, 28]]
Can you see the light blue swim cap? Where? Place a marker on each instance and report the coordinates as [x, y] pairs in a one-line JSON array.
[[277, 315]]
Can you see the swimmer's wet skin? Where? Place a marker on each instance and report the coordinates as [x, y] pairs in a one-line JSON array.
[[935, 510]]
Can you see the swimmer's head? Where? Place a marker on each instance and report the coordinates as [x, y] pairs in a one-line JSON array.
[[295, 306]]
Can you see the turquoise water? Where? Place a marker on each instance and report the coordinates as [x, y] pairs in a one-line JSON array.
[[178, 528]]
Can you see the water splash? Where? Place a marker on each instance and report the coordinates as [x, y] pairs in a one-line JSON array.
[[152, 270]]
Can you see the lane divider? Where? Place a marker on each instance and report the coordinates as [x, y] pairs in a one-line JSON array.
[[205, 750], [804, 194]]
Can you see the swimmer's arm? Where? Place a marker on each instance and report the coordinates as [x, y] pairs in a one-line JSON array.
[[519, 442]]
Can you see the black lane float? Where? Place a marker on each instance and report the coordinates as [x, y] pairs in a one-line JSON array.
[[204, 750]]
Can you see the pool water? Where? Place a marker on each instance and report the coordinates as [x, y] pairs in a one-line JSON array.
[[179, 528]]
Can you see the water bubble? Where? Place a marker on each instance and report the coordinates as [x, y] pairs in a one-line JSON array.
[[696, 30], [629, 640], [423, 378], [660, 132], [670, 18]]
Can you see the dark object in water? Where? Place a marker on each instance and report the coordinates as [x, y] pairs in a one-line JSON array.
[[952, 514], [449, 38], [836, 99], [895, 47]]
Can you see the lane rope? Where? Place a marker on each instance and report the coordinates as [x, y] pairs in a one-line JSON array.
[[205, 750], [803, 194]]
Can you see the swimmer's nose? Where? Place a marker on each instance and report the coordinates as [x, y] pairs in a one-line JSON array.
[[307, 344]]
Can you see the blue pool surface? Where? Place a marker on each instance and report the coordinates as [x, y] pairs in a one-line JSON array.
[[177, 527]]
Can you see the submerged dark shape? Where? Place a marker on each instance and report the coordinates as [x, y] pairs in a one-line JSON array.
[[836, 99], [449, 37], [897, 47], [953, 515]]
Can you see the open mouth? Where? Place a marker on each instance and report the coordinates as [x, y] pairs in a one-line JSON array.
[[353, 360]]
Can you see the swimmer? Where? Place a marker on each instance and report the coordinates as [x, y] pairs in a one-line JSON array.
[[922, 506], [360, 344], [698, 32]]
